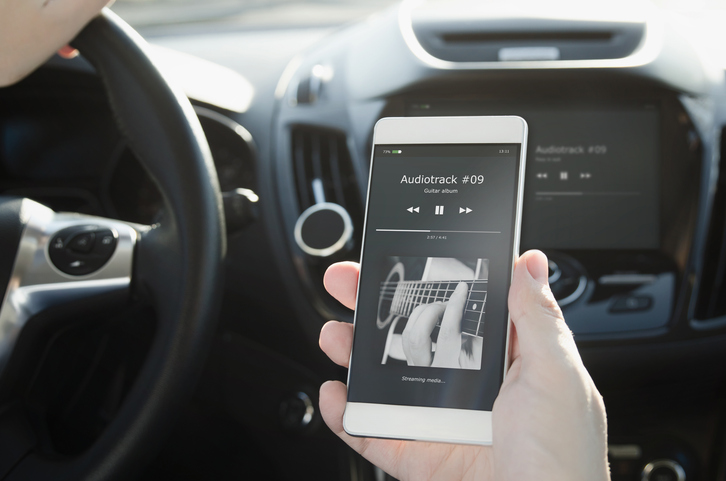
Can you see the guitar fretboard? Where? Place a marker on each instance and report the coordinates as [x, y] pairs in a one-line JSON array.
[[405, 296]]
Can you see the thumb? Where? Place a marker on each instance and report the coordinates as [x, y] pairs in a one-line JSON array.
[[541, 329]]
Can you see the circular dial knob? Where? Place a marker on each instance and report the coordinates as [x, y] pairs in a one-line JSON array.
[[567, 278], [663, 470], [323, 229]]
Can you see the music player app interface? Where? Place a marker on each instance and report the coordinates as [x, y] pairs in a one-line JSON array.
[[432, 309]]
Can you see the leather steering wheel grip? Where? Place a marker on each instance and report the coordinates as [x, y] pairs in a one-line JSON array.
[[178, 263]]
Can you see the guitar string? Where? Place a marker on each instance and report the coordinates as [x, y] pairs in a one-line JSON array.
[[432, 281], [394, 289], [421, 295]]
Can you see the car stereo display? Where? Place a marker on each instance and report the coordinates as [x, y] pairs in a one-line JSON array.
[[592, 177]]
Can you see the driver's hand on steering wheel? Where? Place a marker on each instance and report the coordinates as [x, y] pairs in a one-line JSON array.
[[32, 30], [548, 420]]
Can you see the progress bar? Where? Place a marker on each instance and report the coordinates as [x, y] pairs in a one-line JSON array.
[[434, 231], [587, 193]]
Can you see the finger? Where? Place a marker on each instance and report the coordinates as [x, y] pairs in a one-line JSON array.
[[448, 344], [336, 340], [67, 52], [416, 336], [341, 282], [381, 452], [541, 329]]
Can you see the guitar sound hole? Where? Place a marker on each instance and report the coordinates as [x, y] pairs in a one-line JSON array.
[[385, 299]]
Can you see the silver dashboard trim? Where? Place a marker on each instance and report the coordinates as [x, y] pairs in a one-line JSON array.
[[625, 451], [581, 286], [339, 244], [663, 463], [627, 279], [644, 54], [556, 271]]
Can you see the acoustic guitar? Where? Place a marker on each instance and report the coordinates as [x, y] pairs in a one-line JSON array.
[[399, 297]]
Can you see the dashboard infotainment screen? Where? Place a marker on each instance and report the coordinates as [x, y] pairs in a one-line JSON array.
[[592, 178]]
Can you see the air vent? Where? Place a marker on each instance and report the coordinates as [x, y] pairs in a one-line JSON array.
[[326, 187], [513, 39], [711, 301], [324, 171], [538, 37]]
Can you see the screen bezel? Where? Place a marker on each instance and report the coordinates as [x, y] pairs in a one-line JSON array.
[[434, 423]]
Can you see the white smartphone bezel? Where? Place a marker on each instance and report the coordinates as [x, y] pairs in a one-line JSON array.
[[462, 426]]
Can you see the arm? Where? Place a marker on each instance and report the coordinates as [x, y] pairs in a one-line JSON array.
[[32, 30]]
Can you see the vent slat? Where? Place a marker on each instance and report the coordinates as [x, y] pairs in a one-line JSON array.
[[298, 152], [315, 156], [335, 171], [711, 302], [529, 36]]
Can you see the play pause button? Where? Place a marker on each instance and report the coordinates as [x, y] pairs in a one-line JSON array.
[[464, 210], [413, 209]]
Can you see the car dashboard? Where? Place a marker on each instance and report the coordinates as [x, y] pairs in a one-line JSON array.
[[622, 192]]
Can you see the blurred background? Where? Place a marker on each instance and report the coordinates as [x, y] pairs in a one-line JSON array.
[[705, 19]]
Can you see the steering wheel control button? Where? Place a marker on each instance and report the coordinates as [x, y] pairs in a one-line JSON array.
[[105, 243], [82, 250], [631, 304], [82, 243], [663, 470], [323, 229]]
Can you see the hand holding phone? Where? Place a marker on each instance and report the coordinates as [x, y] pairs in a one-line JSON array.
[[549, 419]]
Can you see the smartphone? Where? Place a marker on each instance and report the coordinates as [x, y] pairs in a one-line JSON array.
[[441, 235]]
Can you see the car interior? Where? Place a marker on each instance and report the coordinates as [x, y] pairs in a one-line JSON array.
[[163, 269]]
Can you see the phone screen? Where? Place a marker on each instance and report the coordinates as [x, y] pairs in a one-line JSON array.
[[431, 319]]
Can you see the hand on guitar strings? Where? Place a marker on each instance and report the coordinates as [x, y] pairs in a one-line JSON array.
[[417, 343], [548, 420]]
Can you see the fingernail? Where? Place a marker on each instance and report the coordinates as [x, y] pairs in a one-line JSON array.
[[68, 52], [537, 266]]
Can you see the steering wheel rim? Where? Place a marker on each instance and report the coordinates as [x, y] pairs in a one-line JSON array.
[[177, 263]]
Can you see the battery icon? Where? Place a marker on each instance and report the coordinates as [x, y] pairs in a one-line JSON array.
[[395, 151]]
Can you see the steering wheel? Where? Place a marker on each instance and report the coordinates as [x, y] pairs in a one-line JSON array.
[[56, 266]]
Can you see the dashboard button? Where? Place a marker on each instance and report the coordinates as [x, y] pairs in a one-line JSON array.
[[82, 243], [631, 304], [105, 243]]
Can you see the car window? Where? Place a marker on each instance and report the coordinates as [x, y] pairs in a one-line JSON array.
[[246, 13], [700, 19]]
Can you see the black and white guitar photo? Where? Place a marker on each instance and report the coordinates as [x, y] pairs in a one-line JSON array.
[[419, 289]]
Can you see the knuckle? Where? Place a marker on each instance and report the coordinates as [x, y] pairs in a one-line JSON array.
[[413, 338], [549, 304]]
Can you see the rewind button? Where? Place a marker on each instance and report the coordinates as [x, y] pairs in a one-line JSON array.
[[413, 209]]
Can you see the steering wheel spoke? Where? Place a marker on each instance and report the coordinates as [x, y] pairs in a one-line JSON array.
[[61, 258]]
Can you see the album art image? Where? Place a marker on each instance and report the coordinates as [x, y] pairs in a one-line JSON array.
[[432, 310]]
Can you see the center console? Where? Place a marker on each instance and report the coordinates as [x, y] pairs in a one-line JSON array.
[[610, 197]]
